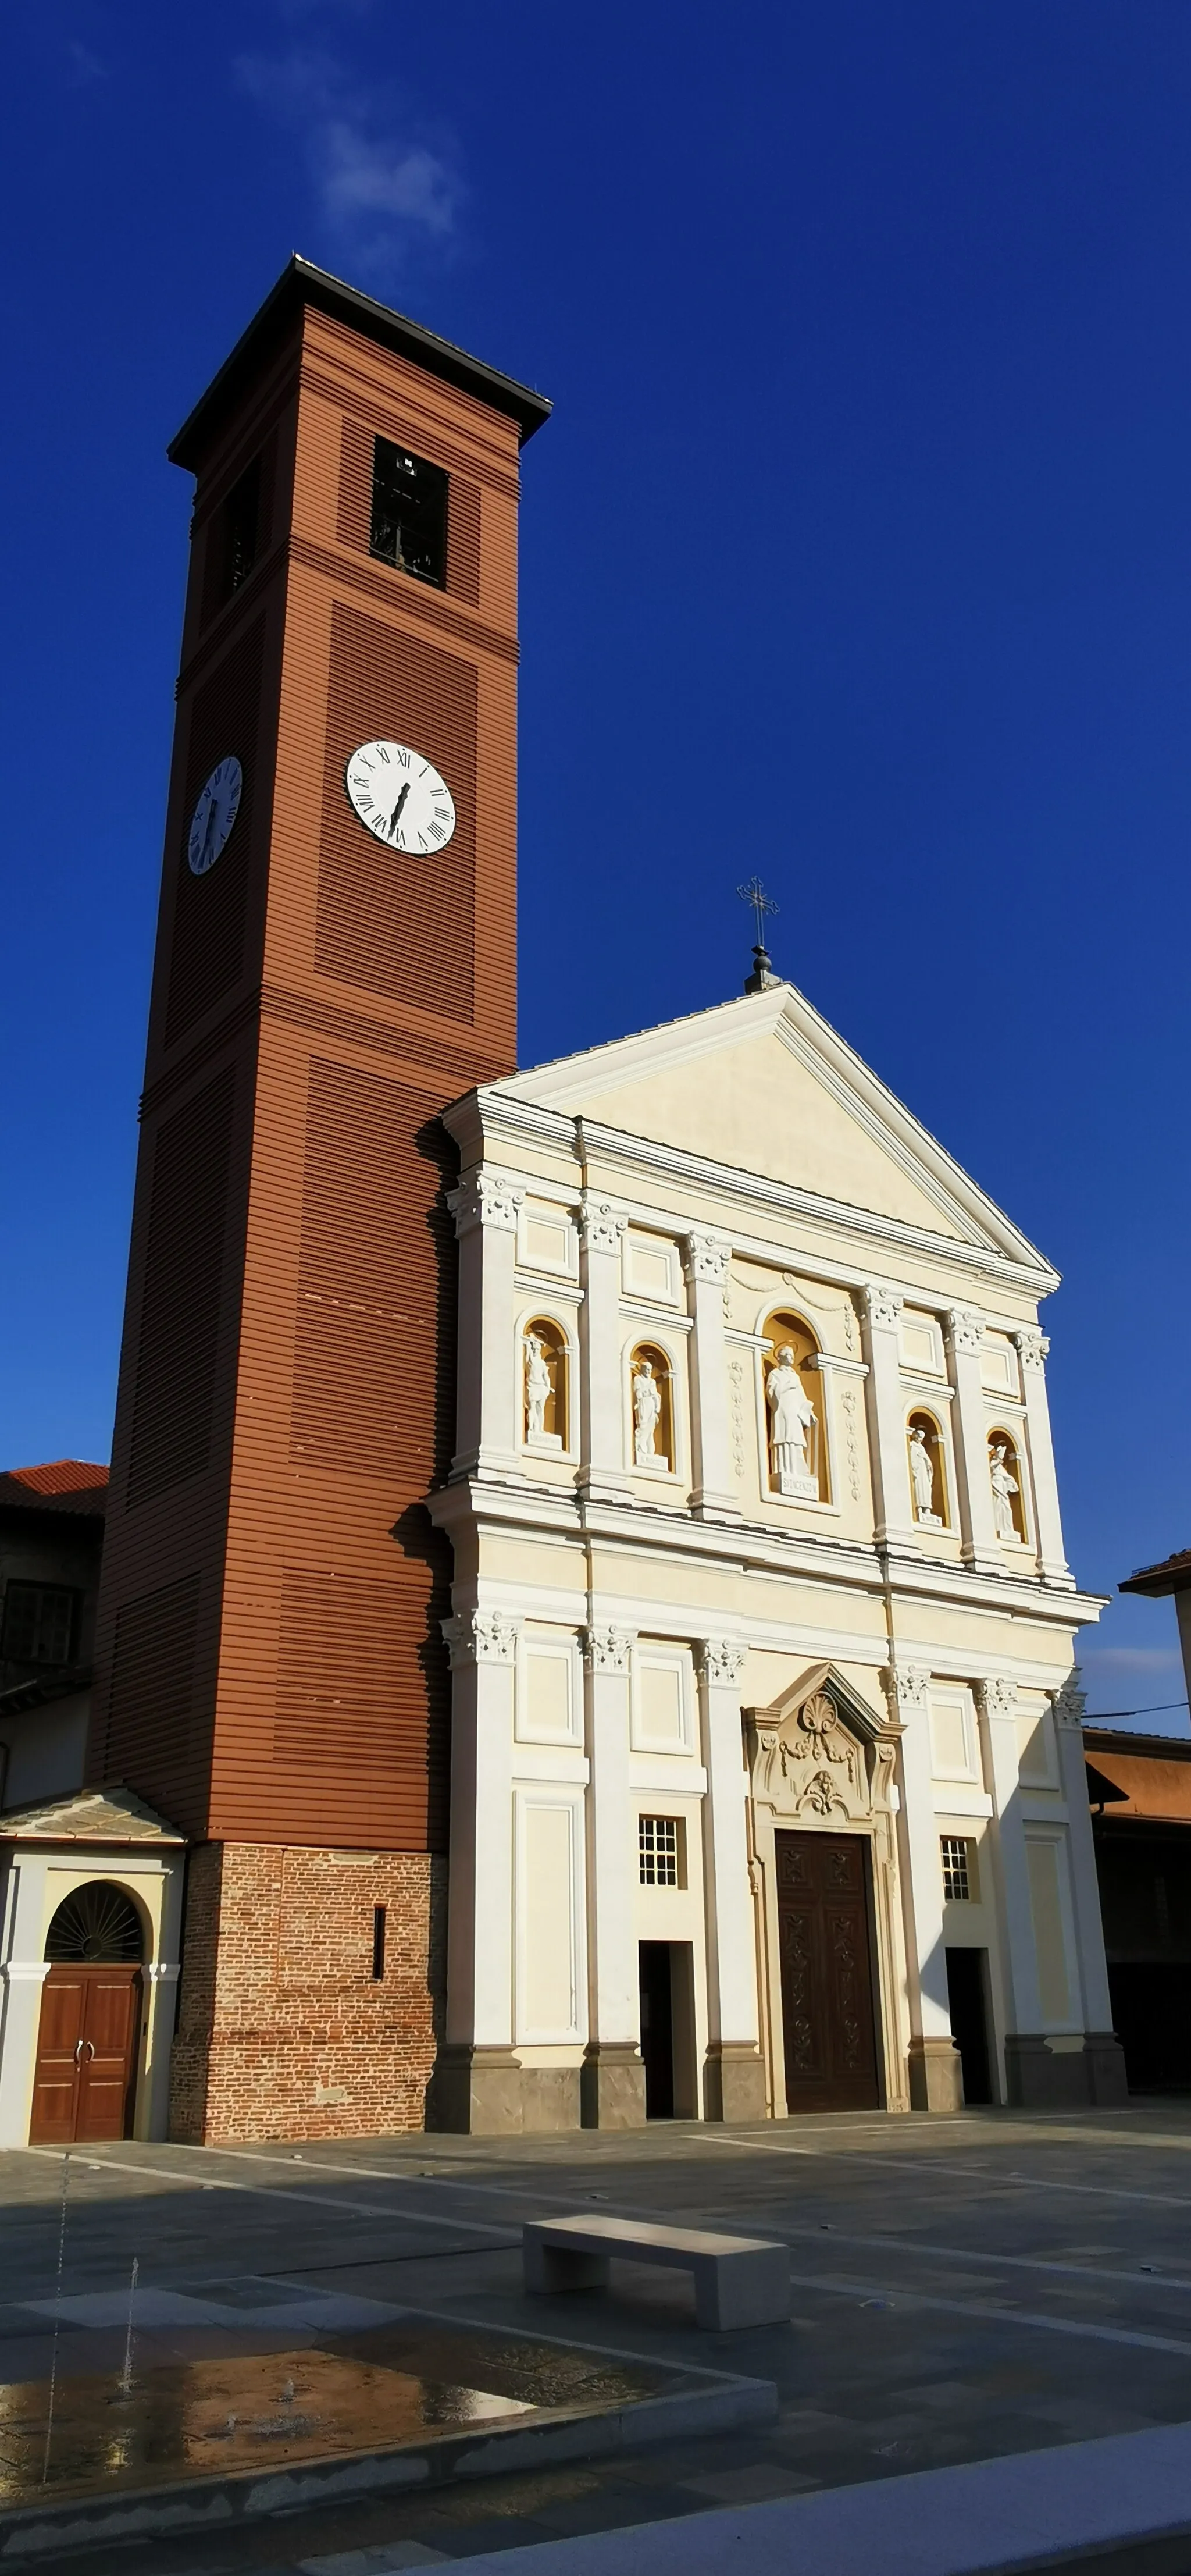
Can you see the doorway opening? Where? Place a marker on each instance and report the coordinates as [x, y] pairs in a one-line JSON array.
[[967, 2002], [667, 1985], [84, 2080], [825, 1935]]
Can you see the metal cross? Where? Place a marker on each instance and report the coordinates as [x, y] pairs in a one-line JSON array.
[[754, 893]]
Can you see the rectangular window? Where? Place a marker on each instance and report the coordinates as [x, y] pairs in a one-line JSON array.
[[958, 1868], [241, 527], [409, 513], [40, 1623], [378, 1942], [661, 1844]]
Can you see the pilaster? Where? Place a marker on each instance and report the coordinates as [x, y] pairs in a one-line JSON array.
[[602, 1476], [936, 2076], [486, 1207], [734, 2080], [996, 1701], [1032, 1347], [483, 1651], [881, 1309], [713, 1494], [1106, 2067], [969, 1430], [612, 2082]]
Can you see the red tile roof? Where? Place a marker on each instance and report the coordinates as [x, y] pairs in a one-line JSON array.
[[1172, 1574], [61, 1484]]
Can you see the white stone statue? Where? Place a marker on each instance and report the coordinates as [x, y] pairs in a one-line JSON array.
[[647, 1412], [539, 1386], [922, 1477], [1003, 1486], [791, 1418]]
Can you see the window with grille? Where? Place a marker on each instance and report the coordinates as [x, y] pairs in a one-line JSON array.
[[958, 1869], [662, 1851], [40, 1622], [409, 513]]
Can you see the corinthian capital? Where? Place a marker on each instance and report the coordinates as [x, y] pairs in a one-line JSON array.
[[486, 1198], [601, 1226], [721, 1661], [965, 1327], [882, 1305], [481, 1637], [606, 1648], [907, 1688], [997, 1697], [1032, 1347], [706, 1256]]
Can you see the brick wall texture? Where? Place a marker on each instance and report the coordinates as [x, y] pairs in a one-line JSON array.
[[283, 2031]]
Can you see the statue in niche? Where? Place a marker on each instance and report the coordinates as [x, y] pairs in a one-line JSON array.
[[647, 1413], [539, 1386], [1004, 1486], [792, 1416], [922, 1478]]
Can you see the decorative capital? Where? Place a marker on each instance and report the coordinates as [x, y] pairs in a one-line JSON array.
[[882, 1305], [997, 1697], [721, 1661], [906, 1688], [965, 1327], [1070, 1703], [486, 1198], [606, 1648], [601, 1227], [1032, 1347], [706, 1256], [481, 1637]]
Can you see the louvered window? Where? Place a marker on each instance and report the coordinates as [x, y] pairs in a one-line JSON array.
[[40, 1623]]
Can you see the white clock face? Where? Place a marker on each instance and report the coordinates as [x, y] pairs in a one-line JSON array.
[[400, 797], [214, 815]]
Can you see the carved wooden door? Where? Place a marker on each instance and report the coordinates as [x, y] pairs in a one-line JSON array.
[[86, 2054], [824, 1932]]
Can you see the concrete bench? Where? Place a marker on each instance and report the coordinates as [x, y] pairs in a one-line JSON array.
[[739, 2280]]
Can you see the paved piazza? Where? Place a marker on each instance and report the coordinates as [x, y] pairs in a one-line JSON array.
[[962, 2287]]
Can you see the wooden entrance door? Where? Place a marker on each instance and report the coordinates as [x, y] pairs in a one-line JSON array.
[[824, 1931], [86, 2055]]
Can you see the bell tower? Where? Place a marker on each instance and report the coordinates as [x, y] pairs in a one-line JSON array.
[[270, 1667]]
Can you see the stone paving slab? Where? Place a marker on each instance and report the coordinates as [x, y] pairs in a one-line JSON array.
[[966, 2288]]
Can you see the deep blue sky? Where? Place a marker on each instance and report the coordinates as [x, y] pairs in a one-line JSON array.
[[859, 551]]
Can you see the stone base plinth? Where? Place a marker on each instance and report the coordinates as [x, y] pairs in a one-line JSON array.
[[487, 2093], [936, 2075], [612, 2086], [734, 2083], [1046, 2076]]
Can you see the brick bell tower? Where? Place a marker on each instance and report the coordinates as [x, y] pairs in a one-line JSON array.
[[335, 960]]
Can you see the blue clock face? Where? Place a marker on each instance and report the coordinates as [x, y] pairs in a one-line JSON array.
[[214, 815]]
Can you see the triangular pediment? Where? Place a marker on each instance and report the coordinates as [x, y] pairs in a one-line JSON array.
[[764, 1086], [821, 1681]]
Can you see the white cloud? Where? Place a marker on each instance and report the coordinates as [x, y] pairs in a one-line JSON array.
[[379, 183]]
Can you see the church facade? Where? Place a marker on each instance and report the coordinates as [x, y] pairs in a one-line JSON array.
[[583, 1584], [767, 1780]]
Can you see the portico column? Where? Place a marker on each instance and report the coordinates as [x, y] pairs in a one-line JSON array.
[[996, 1700], [886, 1415], [713, 1494], [936, 2076], [612, 2080], [969, 1425], [1032, 1347], [602, 1476], [486, 1208], [734, 2087], [1103, 2053], [477, 2079]]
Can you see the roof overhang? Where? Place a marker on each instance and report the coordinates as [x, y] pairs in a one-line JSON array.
[[301, 285]]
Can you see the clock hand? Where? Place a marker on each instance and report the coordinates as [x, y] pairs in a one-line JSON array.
[[395, 816]]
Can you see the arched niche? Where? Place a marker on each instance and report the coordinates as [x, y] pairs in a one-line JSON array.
[[1008, 1486], [929, 1499], [545, 1384], [651, 1408], [811, 1481]]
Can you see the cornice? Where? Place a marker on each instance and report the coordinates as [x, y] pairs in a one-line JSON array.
[[754, 1548]]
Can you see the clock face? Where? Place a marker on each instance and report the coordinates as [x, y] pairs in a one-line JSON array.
[[214, 815], [399, 797]]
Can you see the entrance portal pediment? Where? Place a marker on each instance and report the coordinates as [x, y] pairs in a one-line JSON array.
[[819, 1754]]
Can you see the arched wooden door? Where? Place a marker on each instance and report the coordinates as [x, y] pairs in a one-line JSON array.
[[84, 2082]]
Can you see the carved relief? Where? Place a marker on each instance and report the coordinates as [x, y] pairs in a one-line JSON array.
[[1070, 1703], [607, 1649], [721, 1661], [997, 1697], [601, 1229], [736, 1410], [965, 1328], [486, 1198], [481, 1637], [851, 1442], [707, 1257], [881, 1305], [1032, 1347]]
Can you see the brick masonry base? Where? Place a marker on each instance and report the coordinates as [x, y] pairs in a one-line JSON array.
[[283, 2031]]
